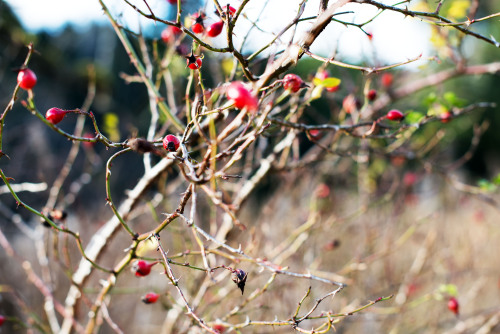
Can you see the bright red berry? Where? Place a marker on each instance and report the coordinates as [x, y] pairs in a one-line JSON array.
[[26, 79], [172, 2], [241, 96], [169, 33], [445, 117], [453, 305], [143, 268], [215, 29], [372, 95], [150, 298], [193, 62], [55, 115], [198, 26], [293, 82], [219, 328], [386, 79], [171, 143], [395, 115], [2, 320], [315, 133]]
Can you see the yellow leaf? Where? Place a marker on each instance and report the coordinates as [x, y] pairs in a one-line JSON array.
[[458, 9], [227, 66], [110, 126]]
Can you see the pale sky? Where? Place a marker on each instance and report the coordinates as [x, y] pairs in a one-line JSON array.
[[396, 38]]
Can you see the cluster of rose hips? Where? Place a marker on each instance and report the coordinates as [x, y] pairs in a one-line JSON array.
[[142, 268], [214, 29]]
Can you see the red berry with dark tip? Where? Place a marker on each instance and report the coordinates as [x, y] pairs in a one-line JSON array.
[[26, 79], [2, 320], [293, 82], [372, 95], [55, 115], [215, 29], [150, 298], [143, 268], [198, 26], [241, 96], [193, 62], [171, 143], [453, 305], [395, 115]]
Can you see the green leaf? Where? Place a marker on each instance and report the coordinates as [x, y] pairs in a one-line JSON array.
[[449, 289], [430, 99], [453, 100], [486, 185], [413, 117], [496, 180]]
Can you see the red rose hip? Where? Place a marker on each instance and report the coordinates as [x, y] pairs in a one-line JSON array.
[[395, 115], [241, 96], [372, 95], [150, 298], [26, 79], [55, 115], [453, 305], [171, 143], [293, 82], [194, 62], [215, 29], [143, 268]]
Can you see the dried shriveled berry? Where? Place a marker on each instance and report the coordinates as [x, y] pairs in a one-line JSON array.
[[240, 278]]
